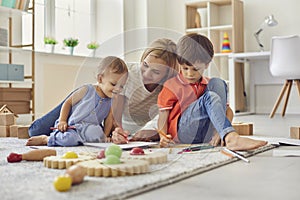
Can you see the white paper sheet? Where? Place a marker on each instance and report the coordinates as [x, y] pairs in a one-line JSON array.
[[130, 145], [277, 140]]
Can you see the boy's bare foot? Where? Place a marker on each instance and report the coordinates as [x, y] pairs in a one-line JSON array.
[[37, 140], [234, 142]]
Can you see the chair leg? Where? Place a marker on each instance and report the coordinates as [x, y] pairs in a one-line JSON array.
[[298, 86], [279, 99], [290, 83]]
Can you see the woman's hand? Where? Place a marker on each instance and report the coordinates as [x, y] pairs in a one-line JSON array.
[[62, 126], [166, 141], [119, 136], [146, 136], [216, 140]]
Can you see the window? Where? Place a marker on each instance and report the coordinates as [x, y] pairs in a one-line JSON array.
[[63, 19]]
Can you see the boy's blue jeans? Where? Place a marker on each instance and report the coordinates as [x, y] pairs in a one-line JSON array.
[[208, 113]]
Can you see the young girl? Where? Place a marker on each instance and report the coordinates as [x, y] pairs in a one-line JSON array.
[[192, 106], [86, 115]]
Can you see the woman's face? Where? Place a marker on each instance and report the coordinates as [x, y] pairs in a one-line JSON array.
[[153, 70]]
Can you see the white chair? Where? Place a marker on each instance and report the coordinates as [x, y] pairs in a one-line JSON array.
[[285, 64]]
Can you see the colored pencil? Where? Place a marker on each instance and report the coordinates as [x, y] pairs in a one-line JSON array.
[[69, 127], [235, 154]]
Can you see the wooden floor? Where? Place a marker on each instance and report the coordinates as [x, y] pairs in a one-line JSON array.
[[265, 177]]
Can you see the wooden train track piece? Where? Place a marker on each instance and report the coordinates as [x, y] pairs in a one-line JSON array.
[[153, 157], [58, 162], [97, 168]]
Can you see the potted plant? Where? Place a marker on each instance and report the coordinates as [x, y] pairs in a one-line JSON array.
[[50, 43], [70, 43], [93, 46]]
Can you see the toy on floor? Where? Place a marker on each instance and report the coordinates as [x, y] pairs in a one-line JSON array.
[[62, 183], [68, 159], [152, 157], [8, 127], [33, 155], [111, 164], [98, 167], [74, 175]]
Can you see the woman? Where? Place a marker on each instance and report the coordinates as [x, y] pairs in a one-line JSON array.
[[138, 101]]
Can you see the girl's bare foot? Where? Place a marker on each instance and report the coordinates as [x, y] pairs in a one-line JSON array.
[[234, 142], [37, 140]]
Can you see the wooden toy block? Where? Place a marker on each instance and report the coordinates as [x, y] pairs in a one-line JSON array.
[[13, 131], [295, 132], [7, 119], [243, 128], [4, 131], [23, 132]]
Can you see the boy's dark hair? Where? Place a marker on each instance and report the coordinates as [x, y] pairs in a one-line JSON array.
[[194, 47]]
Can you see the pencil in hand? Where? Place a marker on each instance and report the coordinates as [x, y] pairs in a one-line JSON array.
[[163, 134], [69, 127]]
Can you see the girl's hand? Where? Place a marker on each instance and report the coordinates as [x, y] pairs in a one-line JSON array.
[[62, 126], [108, 139], [119, 136], [166, 141]]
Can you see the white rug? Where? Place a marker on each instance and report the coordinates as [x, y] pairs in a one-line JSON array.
[[31, 180]]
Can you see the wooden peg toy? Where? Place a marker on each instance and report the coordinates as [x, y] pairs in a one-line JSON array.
[[33, 155]]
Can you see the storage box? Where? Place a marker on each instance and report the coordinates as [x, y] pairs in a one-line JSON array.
[[12, 72], [295, 132], [13, 131], [3, 72], [15, 94], [7, 119], [4, 131], [18, 107], [15, 72], [23, 132], [243, 128]]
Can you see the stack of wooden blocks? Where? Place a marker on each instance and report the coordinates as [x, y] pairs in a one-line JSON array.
[[8, 127], [295, 132], [243, 128]]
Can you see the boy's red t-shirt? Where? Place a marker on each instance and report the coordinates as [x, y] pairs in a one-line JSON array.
[[176, 95]]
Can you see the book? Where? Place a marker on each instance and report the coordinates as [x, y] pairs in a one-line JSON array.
[[24, 5], [8, 3], [17, 4], [277, 140], [286, 152], [129, 145]]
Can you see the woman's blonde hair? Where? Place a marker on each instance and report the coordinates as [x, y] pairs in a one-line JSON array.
[[164, 49]]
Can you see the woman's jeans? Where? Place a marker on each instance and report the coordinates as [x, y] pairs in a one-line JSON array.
[[208, 113], [42, 125]]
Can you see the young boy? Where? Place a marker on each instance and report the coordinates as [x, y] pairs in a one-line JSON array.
[[192, 106], [86, 114]]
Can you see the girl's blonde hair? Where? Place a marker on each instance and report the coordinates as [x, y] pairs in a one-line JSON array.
[[112, 64], [164, 49]]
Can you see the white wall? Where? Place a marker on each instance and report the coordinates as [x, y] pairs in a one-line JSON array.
[[286, 13], [166, 18], [145, 20]]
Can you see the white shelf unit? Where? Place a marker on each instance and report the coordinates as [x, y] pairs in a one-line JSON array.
[[218, 17], [15, 47]]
